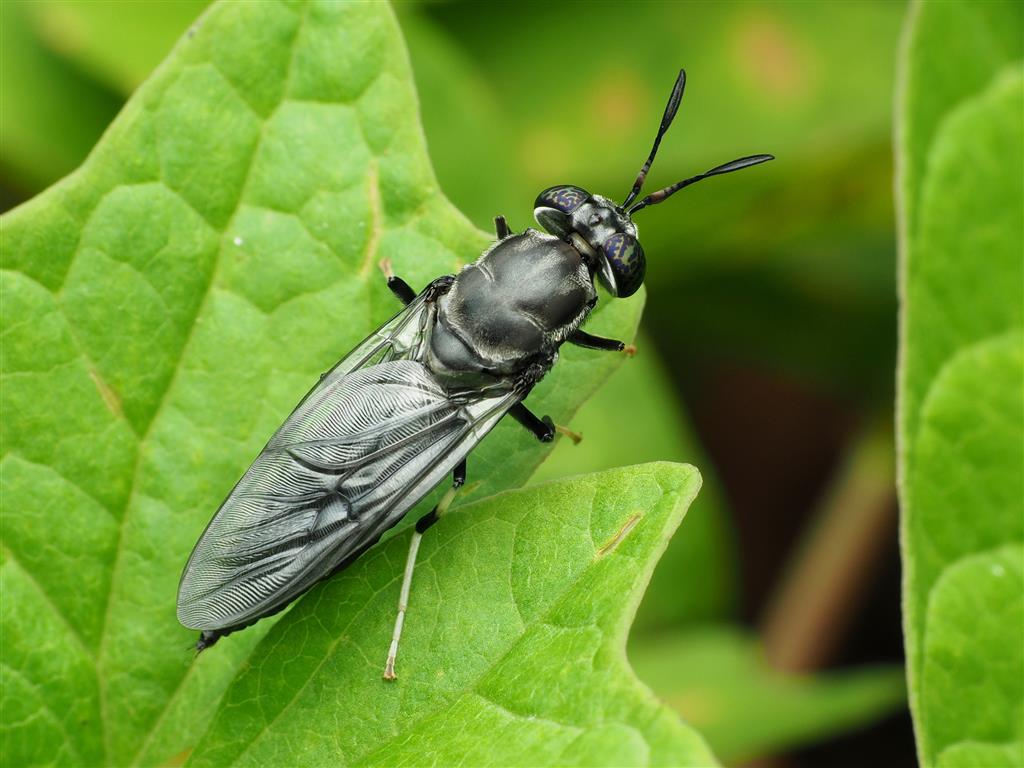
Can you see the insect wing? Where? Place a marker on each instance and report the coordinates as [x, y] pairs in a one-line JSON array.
[[400, 338], [367, 443]]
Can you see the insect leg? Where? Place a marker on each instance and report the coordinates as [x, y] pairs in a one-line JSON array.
[[583, 339], [397, 285], [501, 227], [543, 429], [458, 480]]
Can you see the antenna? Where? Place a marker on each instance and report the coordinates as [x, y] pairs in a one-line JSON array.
[[666, 121], [735, 165]]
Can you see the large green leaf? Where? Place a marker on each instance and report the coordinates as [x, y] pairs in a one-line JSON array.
[[514, 648], [719, 680], [163, 309], [951, 51], [961, 382]]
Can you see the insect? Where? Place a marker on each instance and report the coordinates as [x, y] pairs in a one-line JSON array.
[[401, 411]]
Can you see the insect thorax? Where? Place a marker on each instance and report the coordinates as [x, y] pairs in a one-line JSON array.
[[519, 301]]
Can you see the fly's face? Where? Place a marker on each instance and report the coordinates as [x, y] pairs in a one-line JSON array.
[[600, 229]]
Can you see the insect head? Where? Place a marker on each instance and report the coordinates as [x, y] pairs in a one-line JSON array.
[[602, 230]]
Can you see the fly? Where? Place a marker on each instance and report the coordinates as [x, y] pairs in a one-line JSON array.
[[400, 412]]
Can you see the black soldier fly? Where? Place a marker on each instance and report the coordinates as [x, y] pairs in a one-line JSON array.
[[383, 427]]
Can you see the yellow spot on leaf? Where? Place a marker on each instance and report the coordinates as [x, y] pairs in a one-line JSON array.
[[370, 255], [110, 398], [623, 532]]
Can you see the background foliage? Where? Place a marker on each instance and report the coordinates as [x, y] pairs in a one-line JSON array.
[[962, 381], [770, 322]]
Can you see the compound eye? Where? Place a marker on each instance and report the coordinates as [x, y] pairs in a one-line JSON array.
[[625, 257], [554, 206], [565, 198]]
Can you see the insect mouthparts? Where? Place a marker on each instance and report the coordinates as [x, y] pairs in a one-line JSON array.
[[582, 245]]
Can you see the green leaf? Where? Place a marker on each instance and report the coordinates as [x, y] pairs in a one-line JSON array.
[[961, 380], [719, 681], [514, 645], [951, 51], [164, 308], [971, 678], [968, 754], [635, 417]]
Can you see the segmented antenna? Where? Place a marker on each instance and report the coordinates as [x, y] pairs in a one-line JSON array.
[[666, 121], [735, 165]]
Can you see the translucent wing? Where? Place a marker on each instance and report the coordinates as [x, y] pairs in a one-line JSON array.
[[369, 441], [399, 338], [345, 467]]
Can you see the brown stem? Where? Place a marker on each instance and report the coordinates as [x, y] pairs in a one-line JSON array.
[[829, 576]]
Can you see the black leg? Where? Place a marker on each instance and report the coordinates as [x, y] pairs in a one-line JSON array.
[[501, 227], [397, 285], [583, 339], [401, 289], [207, 638], [459, 474], [542, 429], [458, 480]]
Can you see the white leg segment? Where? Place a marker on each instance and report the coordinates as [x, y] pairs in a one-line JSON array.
[[403, 595], [403, 604]]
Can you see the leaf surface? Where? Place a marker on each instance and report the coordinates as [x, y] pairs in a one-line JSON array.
[[961, 379], [164, 308], [513, 651]]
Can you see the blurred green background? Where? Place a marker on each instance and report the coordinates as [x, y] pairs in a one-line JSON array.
[[768, 347]]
